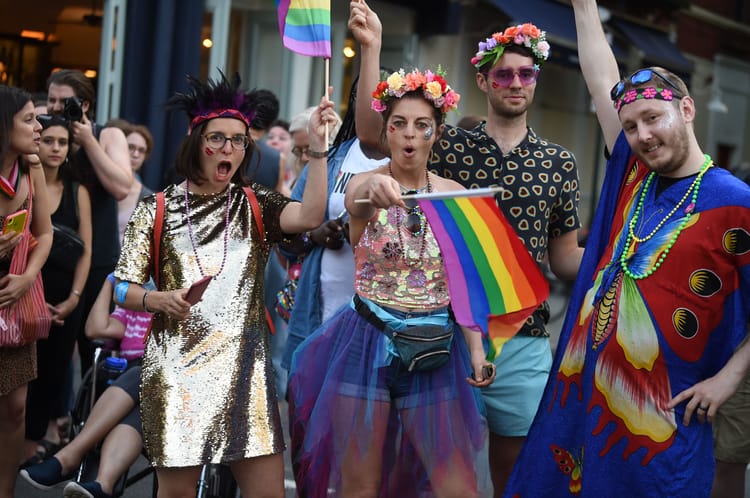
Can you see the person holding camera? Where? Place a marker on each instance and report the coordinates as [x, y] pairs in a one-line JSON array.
[[102, 162]]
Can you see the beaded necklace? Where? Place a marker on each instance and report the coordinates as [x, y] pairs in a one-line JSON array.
[[190, 228], [689, 211], [422, 222]]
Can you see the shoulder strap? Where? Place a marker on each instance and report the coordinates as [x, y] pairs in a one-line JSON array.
[[74, 185], [156, 237], [255, 207], [256, 214]]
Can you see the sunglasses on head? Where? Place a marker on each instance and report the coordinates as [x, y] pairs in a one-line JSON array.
[[504, 76], [638, 78]]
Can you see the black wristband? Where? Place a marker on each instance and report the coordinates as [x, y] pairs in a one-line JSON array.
[[317, 154]]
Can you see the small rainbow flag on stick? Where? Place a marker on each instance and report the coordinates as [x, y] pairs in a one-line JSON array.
[[305, 26], [493, 282]]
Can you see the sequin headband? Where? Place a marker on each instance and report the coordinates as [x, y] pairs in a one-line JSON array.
[[648, 92], [220, 113], [525, 35]]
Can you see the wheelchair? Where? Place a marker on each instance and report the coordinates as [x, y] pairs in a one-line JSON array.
[[216, 481]]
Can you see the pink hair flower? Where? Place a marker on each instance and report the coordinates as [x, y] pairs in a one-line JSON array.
[[630, 96]]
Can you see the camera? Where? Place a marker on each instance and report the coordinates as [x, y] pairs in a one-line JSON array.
[[73, 109]]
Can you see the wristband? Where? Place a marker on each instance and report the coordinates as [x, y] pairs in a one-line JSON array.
[[145, 308], [76, 293], [317, 154], [121, 292], [111, 278]]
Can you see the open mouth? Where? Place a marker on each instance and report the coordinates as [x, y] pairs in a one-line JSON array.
[[223, 169], [409, 151]]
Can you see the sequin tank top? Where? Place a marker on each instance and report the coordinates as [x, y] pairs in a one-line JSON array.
[[409, 277]]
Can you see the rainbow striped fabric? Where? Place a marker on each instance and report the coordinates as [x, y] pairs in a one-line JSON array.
[[493, 282], [305, 26]]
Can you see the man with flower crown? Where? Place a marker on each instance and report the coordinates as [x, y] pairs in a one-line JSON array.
[[539, 198], [647, 351]]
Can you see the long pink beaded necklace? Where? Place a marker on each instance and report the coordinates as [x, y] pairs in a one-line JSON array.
[[423, 223], [190, 228]]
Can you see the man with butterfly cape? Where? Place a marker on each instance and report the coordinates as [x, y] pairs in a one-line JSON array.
[[645, 357]]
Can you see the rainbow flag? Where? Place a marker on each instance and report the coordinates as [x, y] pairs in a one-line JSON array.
[[305, 26], [493, 282]]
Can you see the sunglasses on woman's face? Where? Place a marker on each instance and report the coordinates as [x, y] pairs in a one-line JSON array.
[[638, 78], [504, 76]]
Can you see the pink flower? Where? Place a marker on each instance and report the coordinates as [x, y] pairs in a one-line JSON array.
[[378, 105], [649, 93], [666, 94], [630, 96]]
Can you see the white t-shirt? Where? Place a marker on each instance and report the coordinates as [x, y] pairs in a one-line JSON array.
[[337, 267]]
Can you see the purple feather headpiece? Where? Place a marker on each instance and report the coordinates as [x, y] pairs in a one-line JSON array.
[[215, 99]]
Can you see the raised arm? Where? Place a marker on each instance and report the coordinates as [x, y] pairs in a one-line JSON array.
[[598, 65], [367, 30]]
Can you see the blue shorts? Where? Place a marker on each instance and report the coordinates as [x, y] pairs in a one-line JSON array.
[[522, 371]]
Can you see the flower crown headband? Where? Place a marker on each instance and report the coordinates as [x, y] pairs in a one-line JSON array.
[[525, 35], [433, 86]]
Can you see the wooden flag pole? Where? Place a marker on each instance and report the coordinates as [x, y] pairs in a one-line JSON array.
[[327, 82]]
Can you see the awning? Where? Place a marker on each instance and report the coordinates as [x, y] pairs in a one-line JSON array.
[[657, 48], [548, 15]]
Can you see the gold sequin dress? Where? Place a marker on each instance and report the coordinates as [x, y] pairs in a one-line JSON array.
[[208, 391]]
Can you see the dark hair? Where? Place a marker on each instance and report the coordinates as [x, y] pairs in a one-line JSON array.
[[81, 85], [280, 123], [187, 161], [12, 100], [66, 171], [266, 111]]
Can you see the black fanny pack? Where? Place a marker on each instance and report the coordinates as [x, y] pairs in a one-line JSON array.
[[420, 347]]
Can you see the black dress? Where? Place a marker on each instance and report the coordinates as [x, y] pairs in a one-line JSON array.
[[47, 398]]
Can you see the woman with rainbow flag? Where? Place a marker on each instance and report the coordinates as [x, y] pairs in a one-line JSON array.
[[379, 399]]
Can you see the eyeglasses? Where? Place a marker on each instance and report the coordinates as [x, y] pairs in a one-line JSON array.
[[217, 141], [504, 76], [638, 78], [414, 220], [300, 151], [140, 150]]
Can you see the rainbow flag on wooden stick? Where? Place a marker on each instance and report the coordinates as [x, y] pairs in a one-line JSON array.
[[493, 282], [305, 26]]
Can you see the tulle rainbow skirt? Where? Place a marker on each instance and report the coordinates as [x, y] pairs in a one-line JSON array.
[[354, 408]]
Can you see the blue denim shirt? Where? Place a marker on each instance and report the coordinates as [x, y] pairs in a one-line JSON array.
[[306, 313]]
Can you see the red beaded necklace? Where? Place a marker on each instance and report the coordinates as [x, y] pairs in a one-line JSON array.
[[422, 221], [190, 228]]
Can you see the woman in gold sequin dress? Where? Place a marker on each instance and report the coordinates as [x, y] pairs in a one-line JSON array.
[[20, 134], [208, 392]]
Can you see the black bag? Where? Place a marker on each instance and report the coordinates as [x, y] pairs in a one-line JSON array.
[[420, 347], [67, 248]]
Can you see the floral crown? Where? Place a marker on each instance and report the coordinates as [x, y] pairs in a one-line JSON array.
[[433, 86], [526, 35]]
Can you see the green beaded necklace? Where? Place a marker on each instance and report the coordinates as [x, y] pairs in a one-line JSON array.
[[689, 211]]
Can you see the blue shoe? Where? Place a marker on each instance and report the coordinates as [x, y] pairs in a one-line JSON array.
[[45, 475], [90, 489]]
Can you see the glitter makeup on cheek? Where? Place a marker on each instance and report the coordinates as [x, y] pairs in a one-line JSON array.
[[391, 128], [494, 85], [209, 151], [428, 133]]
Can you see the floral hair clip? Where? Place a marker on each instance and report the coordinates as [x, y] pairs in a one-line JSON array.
[[648, 92], [525, 35], [433, 86]]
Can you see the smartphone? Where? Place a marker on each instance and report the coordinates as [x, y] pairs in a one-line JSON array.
[[195, 292], [15, 222], [488, 370]]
